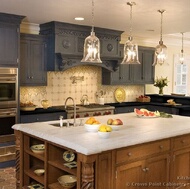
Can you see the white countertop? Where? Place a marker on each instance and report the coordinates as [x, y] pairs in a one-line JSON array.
[[134, 131]]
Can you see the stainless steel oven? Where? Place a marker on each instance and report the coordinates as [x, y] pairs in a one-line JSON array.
[[8, 99], [8, 87], [8, 117]]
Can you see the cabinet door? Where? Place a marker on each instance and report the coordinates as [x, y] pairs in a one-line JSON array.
[[130, 176], [125, 74], [38, 62], [24, 61], [104, 171], [181, 166], [148, 69], [144, 72], [33, 56], [157, 171], [8, 45]]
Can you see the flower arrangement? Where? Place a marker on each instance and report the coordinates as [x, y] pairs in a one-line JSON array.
[[161, 83]]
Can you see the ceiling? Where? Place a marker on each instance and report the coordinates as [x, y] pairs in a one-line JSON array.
[[112, 14]]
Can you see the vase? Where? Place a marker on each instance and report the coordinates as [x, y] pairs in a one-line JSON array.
[[161, 91]]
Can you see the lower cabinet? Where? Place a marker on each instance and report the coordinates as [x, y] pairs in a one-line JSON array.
[[42, 117], [145, 166], [180, 172]]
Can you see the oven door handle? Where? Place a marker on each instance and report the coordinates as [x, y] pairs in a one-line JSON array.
[[10, 114], [7, 113]]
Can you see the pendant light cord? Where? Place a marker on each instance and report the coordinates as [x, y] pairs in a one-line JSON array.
[[161, 11], [130, 31], [131, 7], [92, 15], [182, 43]]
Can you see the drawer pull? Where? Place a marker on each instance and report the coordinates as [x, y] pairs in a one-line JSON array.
[[145, 169], [129, 154], [161, 146], [183, 141]]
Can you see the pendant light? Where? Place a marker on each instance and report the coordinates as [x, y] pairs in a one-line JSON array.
[[161, 49], [92, 45], [181, 56], [130, 49]]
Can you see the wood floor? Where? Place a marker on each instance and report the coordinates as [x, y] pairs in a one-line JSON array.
[[7, 178]]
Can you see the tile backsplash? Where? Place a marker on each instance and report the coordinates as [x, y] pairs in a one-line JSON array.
[[76, 82]]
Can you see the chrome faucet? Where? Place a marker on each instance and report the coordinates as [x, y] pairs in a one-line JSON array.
[[74, 123]]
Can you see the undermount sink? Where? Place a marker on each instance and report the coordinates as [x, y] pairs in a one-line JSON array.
[[58, 124]]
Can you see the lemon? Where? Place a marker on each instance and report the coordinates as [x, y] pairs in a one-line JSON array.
[[102, 128], [108, 129]]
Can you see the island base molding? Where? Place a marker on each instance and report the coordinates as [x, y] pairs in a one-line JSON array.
[[160, 164]]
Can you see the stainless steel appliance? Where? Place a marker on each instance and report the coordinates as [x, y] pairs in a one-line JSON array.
[[8, 99], [8, 117], [8, 87], [90, 110]]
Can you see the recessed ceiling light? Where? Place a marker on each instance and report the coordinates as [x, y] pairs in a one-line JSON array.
[[79, 18]]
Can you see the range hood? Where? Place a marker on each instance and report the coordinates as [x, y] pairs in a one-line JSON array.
[[66, 41]]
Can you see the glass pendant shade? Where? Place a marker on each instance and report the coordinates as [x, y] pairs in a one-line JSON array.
[[91, 49], [181, 57], [160, 54], [130, 53]]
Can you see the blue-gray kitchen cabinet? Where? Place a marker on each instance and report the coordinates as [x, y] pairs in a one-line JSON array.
[[9, 39], [33, 58]]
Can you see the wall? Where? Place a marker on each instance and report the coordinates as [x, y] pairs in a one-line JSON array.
[[60, 86]]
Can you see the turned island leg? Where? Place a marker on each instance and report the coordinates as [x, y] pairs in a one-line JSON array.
[[86, 172], [18, 137]]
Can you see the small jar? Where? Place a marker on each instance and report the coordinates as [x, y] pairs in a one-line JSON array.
[[45, 104]]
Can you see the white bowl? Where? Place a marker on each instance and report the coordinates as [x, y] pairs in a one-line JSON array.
[[39, 172], [92, 128], [67, 181], [104, 134], [38, 149], [115, 127]]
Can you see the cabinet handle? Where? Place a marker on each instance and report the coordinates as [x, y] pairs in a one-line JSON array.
[[32, 77], [161, 146], [129, 154], [147, 169]]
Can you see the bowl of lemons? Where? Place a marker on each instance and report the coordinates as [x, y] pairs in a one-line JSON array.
[[104, 131]]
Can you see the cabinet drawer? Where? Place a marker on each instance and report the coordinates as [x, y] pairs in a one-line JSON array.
[[139, 151], [181, 142]]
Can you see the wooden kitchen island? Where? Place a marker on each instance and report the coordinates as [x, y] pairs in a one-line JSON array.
[[144, 153]]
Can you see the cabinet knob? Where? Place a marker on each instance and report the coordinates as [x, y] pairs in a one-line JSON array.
[[147, 169], [161, 146], [129, 154]]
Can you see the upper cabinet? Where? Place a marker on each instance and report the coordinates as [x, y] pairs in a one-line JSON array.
[[33, 58], [66, 43], [9, 39], [132, 74]]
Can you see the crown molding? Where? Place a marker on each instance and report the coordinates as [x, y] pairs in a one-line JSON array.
[[30, 28]]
